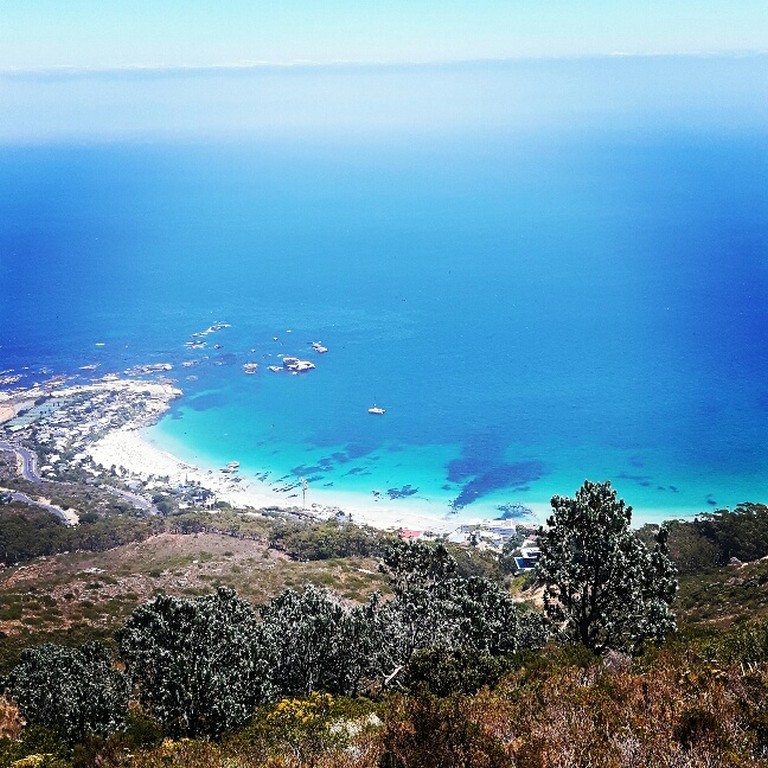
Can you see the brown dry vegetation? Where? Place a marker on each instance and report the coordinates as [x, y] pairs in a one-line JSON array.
[[677, 710], [98, 590], [10, 720]]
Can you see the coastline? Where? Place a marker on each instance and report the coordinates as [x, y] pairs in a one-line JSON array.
[[107, 422], [131, 449]]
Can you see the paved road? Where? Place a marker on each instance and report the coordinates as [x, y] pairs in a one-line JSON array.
[[132, 498], [28, 461], [29, 472], [24, 499]]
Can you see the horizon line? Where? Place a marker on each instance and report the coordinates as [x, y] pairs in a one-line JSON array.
[[158, 68]]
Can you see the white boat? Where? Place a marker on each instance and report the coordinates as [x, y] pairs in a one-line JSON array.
[[374, 409]]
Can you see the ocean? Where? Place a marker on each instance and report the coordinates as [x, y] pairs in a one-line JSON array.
[[534, 300]]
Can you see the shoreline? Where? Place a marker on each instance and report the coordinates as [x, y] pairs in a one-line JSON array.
[[107, 421], [131, 449]]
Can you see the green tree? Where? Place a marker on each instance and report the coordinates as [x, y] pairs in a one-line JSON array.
[[313, 643], [435, 607], [490, 621], [689, 549], [741, 533], [195, 662], [603, 587], [423, 613], [75, 692]]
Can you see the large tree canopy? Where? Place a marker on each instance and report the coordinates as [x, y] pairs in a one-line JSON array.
[[195, 662], [76, 692], [435, 607], [313, 643], [602, 585]]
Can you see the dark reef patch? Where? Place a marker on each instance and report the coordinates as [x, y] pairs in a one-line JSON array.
[[513, 511], [401, 493], [287, 487], [517, 476], [303, 470], [644, 481], [357, 450], [482, 469], [477, 454], [207, 401]]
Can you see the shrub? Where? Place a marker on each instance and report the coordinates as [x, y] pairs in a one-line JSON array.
[[429, 732], [195, 662], [443, 671], [313, 643], [74, 692]]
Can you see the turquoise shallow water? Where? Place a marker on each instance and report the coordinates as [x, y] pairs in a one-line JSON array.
[[533, 306]]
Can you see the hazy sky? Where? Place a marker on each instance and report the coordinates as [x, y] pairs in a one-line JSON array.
[[108, 33]]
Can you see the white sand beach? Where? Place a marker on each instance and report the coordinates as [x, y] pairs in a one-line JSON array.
[[122, 410], [131, 449]]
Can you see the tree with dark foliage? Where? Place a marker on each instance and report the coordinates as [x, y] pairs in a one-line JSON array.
[[313, 643], [603, 587], [195, 662], [435, 607], [76, 692]]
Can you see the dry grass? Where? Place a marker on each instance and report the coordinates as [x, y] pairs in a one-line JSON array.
[[10, 720], [100, 589]]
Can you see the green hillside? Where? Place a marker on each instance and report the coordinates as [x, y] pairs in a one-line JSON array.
[[482, 681]]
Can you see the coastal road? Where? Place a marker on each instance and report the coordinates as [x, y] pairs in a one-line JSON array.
[[28, 461], [67, 519], [132, 498]]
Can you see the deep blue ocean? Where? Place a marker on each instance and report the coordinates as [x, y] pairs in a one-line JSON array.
[[533, 304]]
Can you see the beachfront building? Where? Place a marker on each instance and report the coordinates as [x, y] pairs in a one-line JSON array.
[[529, 555]]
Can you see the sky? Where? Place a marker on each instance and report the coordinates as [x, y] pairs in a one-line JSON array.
[[136, 69], [39, 34]]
